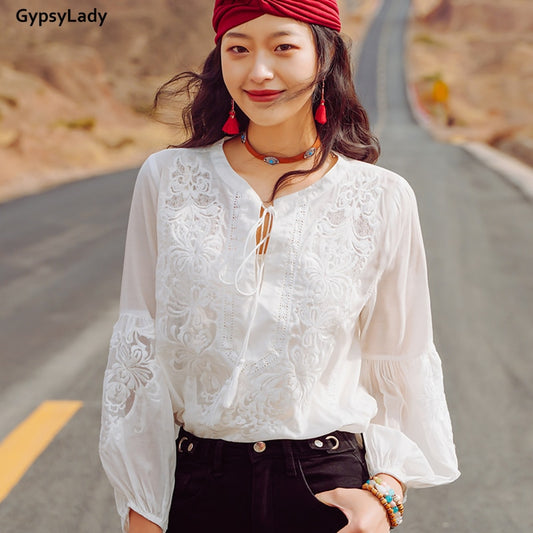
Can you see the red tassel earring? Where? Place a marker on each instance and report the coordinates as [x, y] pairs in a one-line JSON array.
[[321, 115], [231, 127]]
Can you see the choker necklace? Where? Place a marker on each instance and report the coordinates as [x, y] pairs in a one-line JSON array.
[[271, 160]]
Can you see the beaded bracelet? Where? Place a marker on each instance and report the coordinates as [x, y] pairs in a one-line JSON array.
[[392, 503]]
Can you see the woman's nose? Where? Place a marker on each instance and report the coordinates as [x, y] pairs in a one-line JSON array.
[[261, 69]]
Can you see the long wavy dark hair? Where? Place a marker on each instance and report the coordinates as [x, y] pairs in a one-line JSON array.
[[346, 131]]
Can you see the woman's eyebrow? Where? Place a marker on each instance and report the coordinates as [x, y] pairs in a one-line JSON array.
[[282, 33], [237, 35]]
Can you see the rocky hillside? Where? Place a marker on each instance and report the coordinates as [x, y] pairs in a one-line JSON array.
[[471, 68], [74, 94], [73, 98]]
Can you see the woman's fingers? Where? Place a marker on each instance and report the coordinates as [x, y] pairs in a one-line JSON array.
[[363, 510], [328, 497]]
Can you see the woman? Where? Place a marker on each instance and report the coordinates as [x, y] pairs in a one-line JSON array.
[[274, 305]]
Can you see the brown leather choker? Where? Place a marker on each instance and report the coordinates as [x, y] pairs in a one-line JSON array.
[[271, 160]]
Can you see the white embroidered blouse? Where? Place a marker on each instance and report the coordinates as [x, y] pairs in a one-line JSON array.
[[329, 329]]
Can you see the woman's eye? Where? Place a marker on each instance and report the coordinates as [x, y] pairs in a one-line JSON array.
[[284, 47], [238, 49]]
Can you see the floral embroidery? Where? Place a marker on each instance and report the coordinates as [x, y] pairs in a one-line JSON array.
[[131, 366], [329, 284], [202, 319]]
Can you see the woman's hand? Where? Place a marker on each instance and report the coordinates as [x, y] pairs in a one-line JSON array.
[[364, 511], [139, 524]]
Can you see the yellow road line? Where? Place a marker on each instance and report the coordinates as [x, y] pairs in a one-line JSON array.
[[20, 449]]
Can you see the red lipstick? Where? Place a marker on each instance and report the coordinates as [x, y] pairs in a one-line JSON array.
[[263, 96]]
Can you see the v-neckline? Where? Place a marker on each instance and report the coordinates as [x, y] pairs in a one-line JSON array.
[[229, 174]]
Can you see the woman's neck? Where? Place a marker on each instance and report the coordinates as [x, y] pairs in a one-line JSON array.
[[286, 140]]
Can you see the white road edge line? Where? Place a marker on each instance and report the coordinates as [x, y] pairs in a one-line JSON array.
[[518, 173], [510, 168]]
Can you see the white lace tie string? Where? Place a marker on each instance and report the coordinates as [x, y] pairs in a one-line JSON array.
[[264, 221], [263, 224], [232, 384]]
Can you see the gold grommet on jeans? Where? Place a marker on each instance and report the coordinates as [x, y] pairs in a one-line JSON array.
[[181, 441], [335, 441], [260, 447]]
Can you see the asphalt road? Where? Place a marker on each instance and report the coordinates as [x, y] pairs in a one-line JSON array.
[[61, 255], [60, 267], [478, 234]]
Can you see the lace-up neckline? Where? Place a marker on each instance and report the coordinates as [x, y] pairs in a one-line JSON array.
[[262, 234]]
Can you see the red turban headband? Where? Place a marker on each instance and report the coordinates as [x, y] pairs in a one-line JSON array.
[[231, 13]]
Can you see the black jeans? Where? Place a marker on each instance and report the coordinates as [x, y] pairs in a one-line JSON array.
[[263, 487]]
